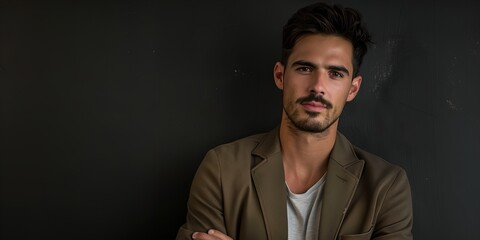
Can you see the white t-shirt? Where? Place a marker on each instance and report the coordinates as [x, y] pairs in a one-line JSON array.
[[303, 212]]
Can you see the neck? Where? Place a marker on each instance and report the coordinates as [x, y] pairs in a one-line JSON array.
[[305, 155]]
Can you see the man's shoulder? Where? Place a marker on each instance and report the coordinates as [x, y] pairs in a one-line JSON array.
[[252, 141], [347, 153], [376, 166], [236, 157], [239, 148], [371, 158]]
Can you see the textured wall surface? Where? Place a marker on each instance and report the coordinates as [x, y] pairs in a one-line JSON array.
[[107, 108]]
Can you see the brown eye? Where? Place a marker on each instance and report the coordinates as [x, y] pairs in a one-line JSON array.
[[304, 69], [336, 74]]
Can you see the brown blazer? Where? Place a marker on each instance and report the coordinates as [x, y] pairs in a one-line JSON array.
[[239, 189]]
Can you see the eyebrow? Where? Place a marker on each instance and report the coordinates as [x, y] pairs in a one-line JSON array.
[[304, 63], [338, 68]]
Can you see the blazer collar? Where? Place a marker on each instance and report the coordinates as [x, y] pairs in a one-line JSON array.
[[343, 173], [342, 152], [269, 179], [269, 144]]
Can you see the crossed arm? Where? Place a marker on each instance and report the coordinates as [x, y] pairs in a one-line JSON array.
[[212, 234]]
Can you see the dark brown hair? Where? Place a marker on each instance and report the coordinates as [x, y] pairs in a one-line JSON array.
[[326, 19]]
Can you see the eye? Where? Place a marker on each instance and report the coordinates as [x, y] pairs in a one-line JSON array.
[[335, 74], [304, 70]]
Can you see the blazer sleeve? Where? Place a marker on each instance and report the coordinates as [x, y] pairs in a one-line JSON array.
[[205, 203], [395, 218]]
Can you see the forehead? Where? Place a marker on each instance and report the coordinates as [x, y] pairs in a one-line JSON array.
[[323, 49]]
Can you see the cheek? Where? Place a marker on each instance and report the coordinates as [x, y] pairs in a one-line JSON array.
[[340, 96], [342, 91], [288, 97], [295, 87]]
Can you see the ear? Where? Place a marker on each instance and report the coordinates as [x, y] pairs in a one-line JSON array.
[[354, 88], [278, 74]]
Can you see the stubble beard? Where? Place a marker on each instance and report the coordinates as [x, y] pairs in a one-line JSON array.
[[309, 124]]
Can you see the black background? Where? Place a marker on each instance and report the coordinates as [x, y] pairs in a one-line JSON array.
[[107, 108]]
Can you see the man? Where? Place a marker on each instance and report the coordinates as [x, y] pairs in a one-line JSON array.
[[304, 180]]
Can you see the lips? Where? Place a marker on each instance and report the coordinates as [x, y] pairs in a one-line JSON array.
[[314, 106]]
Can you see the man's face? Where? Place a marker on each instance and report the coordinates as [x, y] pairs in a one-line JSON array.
[[317, 81]]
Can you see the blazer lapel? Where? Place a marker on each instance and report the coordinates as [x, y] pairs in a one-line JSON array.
[[343, 173], [268, 177]]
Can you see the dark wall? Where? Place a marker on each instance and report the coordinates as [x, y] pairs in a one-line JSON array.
[[106, 109]]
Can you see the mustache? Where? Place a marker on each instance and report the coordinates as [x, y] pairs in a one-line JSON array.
[[316, 98]]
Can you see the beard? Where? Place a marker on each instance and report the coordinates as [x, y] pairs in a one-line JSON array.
[[310, 124]]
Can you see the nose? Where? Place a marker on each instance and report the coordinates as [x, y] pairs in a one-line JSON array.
[[317, 86]]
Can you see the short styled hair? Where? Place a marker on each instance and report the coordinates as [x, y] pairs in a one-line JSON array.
[[331, 20]]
